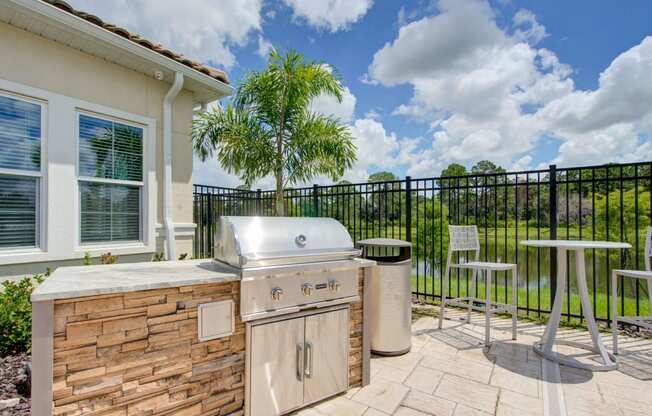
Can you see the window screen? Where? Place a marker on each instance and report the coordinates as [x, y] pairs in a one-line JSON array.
[[110, 166], [20, 166]]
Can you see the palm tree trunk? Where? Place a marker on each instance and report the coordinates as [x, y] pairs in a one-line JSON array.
[[280, 203]]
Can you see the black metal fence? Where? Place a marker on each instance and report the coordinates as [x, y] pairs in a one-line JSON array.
[[610, 202]]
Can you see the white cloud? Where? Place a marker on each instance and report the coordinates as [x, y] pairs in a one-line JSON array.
[[264, 47], [200, 29], [331, 15], [328, 105], [611, 123], [488, 93], [425, 48], [211, 173], [377, 149], [366, 79], [373, 114], [532, 31]]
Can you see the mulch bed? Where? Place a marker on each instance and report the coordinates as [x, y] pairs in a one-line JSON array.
[[12, 384]]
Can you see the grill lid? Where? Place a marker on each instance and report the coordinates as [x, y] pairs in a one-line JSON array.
[[247, 242]]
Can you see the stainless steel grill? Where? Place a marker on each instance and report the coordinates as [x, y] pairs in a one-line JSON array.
[[297, 277], [288, 264], [249, 242]]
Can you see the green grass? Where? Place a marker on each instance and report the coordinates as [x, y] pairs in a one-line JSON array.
[[459, 289]]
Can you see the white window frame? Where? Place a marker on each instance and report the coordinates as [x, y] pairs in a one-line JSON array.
[[139, 184], [41, 176], [59, 207]]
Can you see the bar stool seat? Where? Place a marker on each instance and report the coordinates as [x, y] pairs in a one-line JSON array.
[[485, 265]]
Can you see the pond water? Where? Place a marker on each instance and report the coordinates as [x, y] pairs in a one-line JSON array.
[[533, 267]]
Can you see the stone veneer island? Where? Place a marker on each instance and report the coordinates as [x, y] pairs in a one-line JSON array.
[[121, 340]]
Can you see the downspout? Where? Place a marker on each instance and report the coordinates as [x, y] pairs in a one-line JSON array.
[[167, 160]]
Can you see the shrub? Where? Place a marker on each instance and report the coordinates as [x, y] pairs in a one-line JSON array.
[[108, 258], [183, 256], [158, 256], [16, 315]]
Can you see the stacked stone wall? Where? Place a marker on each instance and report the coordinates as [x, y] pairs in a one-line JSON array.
[[138, 353]]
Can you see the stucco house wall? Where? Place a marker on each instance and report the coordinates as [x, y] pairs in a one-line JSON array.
[[44, 65]]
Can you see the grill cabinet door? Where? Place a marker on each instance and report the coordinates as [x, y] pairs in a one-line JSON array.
[[276, 367], [326, 354]]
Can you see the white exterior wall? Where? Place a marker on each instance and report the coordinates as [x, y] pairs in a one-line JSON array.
[[65, 81]]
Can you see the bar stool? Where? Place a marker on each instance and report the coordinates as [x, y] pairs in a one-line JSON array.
[[642, 321], [465, 238]]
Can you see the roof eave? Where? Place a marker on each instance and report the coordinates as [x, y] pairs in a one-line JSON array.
[[215, 89]]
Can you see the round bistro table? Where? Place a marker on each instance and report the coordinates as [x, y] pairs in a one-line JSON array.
[[545, 346]]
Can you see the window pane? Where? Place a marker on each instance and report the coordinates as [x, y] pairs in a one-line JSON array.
[[128, 154], [110, 150], [20, 134], [95, 147], [109, 212], [18, 213]]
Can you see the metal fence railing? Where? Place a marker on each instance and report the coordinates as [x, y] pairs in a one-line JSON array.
[[609, 202]]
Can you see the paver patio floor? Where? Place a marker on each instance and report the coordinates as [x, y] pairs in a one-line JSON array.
[[448, 372]]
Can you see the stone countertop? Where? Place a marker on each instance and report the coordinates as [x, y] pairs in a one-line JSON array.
[[80, 281]]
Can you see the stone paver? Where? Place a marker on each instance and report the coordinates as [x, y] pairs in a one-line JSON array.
[[341, 406], [373, 412], [462, 410], [382, 395], [406, 411], [449, 373], [428, 404], [460, 367], [390, 373], [424, 379], [474, 394]]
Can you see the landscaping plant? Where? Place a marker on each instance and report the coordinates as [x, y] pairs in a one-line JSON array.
[[108, 258], [16, 315], [270, 130]]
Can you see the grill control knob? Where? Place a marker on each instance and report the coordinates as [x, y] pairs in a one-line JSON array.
[[334, 286], [307, 289], [277, 293]]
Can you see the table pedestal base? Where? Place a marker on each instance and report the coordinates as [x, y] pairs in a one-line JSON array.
[[549, 339], [610, 364]]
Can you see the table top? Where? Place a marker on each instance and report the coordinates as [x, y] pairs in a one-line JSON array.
[[575, 244]]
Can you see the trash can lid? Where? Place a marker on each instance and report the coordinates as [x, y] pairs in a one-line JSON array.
[[384, 242]]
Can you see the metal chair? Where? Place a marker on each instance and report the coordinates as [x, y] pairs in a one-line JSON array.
[[465, 238], [641, 321]]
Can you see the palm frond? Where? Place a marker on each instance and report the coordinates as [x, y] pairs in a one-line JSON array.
[[320, 145]]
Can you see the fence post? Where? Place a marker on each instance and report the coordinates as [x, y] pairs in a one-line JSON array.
[[408, 208], [259, 204], [315, 199], [210, 225], [552, 178]]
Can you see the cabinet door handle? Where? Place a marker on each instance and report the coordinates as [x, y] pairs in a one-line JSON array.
[[300, 362], [308, 360]]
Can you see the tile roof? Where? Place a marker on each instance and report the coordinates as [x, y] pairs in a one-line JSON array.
[[156, 47]]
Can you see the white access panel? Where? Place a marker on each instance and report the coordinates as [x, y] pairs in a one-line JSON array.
[[215, 320]]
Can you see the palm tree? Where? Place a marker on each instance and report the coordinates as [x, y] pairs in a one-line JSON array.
[[269, 128]]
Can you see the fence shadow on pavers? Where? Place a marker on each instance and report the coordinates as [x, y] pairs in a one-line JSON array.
[[454, 337], [635, 358]]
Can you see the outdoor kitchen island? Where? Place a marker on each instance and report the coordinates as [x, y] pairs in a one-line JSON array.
[[168, 338]]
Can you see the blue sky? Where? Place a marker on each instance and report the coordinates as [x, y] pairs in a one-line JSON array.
[[523, 83]]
